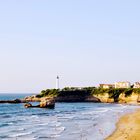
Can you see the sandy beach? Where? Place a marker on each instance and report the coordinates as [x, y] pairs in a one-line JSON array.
[[128, 127]]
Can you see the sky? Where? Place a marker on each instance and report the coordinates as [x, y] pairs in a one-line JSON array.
[[85, 42]]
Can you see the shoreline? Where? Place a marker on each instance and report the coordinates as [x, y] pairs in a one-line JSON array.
[[95, 121], [127, 128]]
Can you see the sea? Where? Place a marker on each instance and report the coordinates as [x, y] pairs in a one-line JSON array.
[[68, 121]]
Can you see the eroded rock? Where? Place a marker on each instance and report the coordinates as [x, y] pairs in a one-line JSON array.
[[47, 103], [44, 103], [27, 105]]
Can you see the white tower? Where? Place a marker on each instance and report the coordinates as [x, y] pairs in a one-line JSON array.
[[57, 82]]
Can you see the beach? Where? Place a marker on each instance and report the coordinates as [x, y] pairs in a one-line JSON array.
[[128, 127]]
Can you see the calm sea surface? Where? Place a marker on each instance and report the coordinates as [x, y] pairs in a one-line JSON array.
[[68, 121]]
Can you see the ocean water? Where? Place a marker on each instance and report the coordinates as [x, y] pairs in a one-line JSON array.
[[68, 121]]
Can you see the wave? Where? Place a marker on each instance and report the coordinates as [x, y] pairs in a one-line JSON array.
[[95, 112], [59, 129], [3, 125], [20, 134]]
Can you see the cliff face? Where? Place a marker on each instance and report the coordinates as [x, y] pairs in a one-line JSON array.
[[66, 98], [104, 98], [76, 96], [132, 99], [73, 98]]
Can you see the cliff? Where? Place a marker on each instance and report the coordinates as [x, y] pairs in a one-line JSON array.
[[73, 98], [91, 94], [134, 98], [66, 96]]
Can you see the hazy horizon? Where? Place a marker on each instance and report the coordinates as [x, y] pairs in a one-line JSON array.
[[84, 42]]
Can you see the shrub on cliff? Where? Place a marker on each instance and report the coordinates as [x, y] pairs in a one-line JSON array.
[[48, 92], [97, 91], [136, 90], [128, 92], [115, 93]]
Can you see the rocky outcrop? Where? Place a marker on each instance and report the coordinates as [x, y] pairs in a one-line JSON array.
[[134, 98], [104, 98], [65, 98], [16, 101], [32, 98], [27, 105], [44, 103], [47, 103], [131, 99]]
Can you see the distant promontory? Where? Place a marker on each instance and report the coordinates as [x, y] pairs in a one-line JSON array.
[[90, 94]]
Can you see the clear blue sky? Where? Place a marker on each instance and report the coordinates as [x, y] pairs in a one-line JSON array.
[[85, 42]]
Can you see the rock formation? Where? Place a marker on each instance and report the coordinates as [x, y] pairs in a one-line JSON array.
[[27, 105], [47, 103], [131, 99], [44, 103], [16, 101]]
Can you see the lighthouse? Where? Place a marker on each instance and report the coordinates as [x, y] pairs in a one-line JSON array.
[[57, 82]]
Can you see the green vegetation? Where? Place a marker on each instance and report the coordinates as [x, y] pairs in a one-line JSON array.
[[48, 92], [86, 91], [136, 90], [114, 93], [99, 91], [128, 92]]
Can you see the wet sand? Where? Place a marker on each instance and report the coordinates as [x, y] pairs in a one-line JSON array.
[[128, 127]]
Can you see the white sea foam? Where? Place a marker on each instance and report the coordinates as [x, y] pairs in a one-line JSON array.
[[34, 117], [67, 122], [20, 134], [59, 129], [95, 112]]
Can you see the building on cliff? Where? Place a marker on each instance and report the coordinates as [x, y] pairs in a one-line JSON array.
[[106, 86], [122, 85], [136, 85]]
